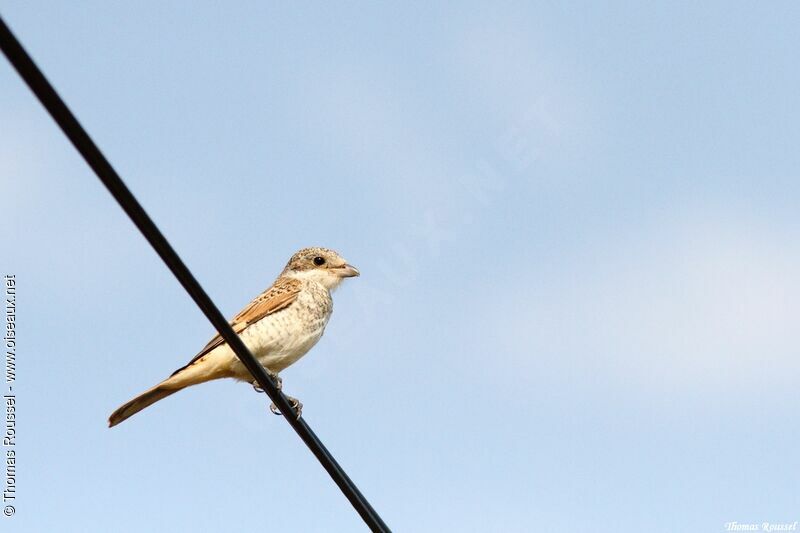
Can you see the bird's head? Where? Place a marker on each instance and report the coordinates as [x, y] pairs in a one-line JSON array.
[[322, 265]]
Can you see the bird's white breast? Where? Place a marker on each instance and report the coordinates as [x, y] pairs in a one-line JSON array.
[[280, 339]]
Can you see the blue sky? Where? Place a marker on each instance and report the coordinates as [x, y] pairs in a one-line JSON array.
[[577, 228]]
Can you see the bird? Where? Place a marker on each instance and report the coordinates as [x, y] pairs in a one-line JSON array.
[[279, 326]]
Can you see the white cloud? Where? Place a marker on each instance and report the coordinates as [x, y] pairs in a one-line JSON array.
[[704, 303]]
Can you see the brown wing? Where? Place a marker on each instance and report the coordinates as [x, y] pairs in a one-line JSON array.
[[282, 293]]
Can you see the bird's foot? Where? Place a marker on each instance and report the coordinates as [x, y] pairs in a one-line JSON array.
[[298, 406], [276, 377]]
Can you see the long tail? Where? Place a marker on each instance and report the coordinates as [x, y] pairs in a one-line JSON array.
[[145, 399], [192, 374]]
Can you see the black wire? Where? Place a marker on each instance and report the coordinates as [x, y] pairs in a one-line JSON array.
[[47, 95]]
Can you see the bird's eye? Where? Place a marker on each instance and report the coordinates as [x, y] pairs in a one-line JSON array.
[[319, 261]]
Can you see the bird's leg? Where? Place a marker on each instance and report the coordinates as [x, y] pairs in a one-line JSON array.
[[298, 406], [276, 377]]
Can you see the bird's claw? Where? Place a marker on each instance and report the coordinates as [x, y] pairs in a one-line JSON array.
[[296, 404]]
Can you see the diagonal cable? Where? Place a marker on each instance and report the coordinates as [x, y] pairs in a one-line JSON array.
[[48, 97]]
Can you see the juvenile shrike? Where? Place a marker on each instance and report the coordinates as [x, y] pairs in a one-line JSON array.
[[279, 327]]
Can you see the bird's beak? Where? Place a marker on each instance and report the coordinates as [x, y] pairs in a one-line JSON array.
[[347, 271]]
